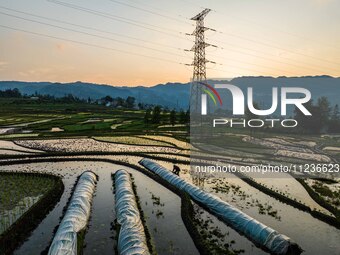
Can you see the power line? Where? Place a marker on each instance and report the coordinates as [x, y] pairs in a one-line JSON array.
[[271, 59], [97, 35], [90, 44], [122, 19], [105, 15], [239, 74], [90, 28], [237, 67], [89, 34], [277, 47], [192, 3], [262, 66], [268, 45], [113, 49], [159, 9], [255, 23], [261, 42], [148, 11]]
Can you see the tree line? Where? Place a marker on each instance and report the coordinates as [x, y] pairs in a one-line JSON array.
[[10, 93], [157, 115], [325, 118], [129, 102]]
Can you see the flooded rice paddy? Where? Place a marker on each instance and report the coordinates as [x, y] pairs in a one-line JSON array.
[[19, 192], [8, 217], [162, 208], [163, 218], [282, 217]]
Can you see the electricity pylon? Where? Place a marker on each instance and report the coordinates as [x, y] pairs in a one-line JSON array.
[[199, 63]]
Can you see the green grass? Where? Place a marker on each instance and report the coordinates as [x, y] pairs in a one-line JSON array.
[[15, 187], [73, 117], [82, 127]]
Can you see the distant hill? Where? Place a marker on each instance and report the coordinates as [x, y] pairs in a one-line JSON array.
[[176, 95], [173, 95]]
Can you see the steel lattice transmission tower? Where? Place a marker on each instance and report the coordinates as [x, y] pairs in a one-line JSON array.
[[199, 63]]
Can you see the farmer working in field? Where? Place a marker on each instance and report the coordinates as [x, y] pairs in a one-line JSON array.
[[176, 169]]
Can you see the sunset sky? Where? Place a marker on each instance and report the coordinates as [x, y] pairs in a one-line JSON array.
[[100, 41]]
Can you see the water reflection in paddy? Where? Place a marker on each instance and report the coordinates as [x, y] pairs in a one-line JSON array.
[[167, 230], [314, 236]]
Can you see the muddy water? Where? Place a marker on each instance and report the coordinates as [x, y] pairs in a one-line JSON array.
[[100, 236], [42, 235], [287, 184], [8, 217], [164, 222], [313, 235], [234, 240], [162, 209]]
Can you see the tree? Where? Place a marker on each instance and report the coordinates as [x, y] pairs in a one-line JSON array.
[[11, 93], [173, 117], [108, 99], [147, 116], [334, 123], [156, 115], [187, 117], [182, 117], [130, 102], [335, 113], [120, 101], [325, 109], [141, 106]]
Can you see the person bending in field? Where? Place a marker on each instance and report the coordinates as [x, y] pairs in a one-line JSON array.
[[176, 169]]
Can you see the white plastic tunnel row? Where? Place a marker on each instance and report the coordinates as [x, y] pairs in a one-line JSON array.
[[131, 238], [259, 233], [76, 216]]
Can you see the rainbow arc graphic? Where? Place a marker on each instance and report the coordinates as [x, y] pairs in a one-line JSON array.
[[213, 94]]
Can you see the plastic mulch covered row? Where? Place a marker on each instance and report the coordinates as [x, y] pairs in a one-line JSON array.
[[76, 216], [131, 238], [260, 234]]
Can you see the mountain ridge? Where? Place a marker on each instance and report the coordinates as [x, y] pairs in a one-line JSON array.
[[176, 94]]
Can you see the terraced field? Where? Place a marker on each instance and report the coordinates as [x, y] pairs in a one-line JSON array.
[[161, 208], [67, 142]]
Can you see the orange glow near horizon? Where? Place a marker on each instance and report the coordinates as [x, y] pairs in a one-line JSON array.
[[256, 38]]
